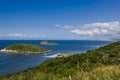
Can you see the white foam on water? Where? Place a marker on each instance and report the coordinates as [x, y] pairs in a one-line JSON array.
[[51, 56]]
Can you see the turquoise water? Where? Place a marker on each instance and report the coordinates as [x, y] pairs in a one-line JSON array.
[[10, 63]]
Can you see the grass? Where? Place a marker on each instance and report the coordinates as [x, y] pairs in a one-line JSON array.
[[100, 73]]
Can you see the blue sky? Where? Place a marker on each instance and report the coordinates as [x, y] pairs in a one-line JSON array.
[[60, 19]]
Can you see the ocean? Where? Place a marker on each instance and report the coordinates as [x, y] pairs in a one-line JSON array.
[[12, 63]]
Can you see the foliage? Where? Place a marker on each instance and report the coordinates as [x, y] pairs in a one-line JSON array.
[[48, 43], [26, 48], [100, 73], [106, 55]]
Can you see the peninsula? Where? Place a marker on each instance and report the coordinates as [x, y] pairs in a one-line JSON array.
[[48, 43], [24, 48]]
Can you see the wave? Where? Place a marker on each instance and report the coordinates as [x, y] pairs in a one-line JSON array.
[[51, 56]]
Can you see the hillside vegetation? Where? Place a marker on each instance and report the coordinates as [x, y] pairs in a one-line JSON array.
[[107, 55], [100, 64]]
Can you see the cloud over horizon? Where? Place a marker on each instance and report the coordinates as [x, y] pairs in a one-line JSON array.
[[99, 30], [64, 26], [91, 31], [20, 35], [106, 30]]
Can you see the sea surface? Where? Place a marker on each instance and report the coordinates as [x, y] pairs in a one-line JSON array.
[[12, 63]]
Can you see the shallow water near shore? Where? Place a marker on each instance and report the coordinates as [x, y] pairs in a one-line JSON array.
[[11, 63]]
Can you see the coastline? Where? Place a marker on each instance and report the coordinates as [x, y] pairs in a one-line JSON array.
[[95, 59], [35, 56]]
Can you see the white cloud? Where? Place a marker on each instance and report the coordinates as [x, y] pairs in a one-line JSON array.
[[82, 32], [17, 35], [57, 25], [105, 24], [43, 36], [68, 26], [106, 30], [64, 26], [20, 35]]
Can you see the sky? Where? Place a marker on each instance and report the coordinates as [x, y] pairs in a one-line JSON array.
[[60, 19]]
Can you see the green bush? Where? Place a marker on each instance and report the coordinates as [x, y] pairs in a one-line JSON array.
[[26, 48]]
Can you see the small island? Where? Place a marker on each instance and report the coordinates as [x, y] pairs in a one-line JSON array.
[[24, 48], [48, 43]]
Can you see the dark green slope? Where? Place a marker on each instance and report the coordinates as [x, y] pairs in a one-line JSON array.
[[107, 55]]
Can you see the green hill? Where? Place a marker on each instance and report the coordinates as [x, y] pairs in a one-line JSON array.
[[100, 64], [107, 55], [25, 48], [48, 43]]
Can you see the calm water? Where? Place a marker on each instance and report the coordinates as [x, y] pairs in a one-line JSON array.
[[13, 63]]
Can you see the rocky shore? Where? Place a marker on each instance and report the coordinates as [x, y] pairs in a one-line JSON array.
[[63, 55], [8, 51]]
